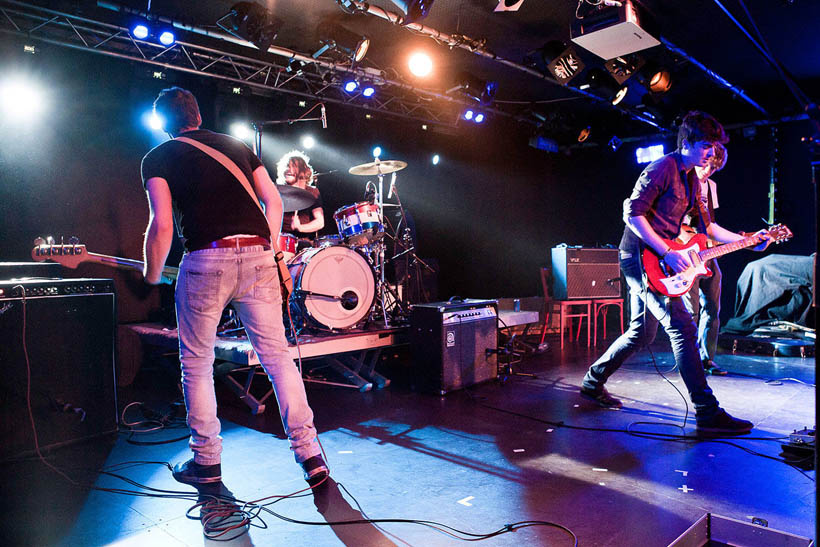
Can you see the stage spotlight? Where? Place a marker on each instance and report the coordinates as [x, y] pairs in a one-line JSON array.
[[351, 86], [413, 10], [153, 121], [436, 159], [420, 64], [241, 131], [482, 91], [368, 90], [308, 142], [584, 134], [167, 38], [649, 153], [615, 143], [656, 79], [562, 61], [468, 114], [251, 22], [21, 100], [140, 31], [377, 151], [333, 36], [601, 82], [479, 118], [622, 68]]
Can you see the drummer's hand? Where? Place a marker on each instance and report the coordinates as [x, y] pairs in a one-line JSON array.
[[296, 224]]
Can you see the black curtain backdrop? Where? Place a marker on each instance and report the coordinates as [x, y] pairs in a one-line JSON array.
[[489, 212]]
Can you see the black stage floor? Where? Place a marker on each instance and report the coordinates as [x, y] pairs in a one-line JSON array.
[[474, 460]]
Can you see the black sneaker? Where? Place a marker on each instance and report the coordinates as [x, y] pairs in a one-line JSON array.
[[315, 470], [191, 472], [709, 367], [601, 397], [723, 423]]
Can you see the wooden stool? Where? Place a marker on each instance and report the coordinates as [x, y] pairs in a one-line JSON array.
[[601, 305]]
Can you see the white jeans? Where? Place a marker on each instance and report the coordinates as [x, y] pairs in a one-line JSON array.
[[208, 281]]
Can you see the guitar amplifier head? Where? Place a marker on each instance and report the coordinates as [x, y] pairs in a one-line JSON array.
[[584, 273]]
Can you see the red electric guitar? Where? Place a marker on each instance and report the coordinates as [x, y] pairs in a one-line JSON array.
[[73, 254], [662, 278]]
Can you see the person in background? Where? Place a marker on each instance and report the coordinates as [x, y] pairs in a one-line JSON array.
[[294, 169]]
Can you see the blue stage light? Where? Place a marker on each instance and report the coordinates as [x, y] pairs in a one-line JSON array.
[[479, 118], [649, 154], [436, 159], [351, 85], [377, 151], [368, 91], [167, 38], [468, 114], [140, 31]]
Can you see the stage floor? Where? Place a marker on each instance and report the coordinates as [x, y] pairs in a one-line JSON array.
[[475, 460]]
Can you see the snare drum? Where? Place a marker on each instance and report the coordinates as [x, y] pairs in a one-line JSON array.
[[359, 223], [287, 244], [334, 287]]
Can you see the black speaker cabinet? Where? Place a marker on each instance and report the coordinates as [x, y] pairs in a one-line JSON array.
[[454, 344], [57, 353], [579, 273]]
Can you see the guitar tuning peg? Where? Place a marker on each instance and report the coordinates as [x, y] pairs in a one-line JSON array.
[[39, 241], [74, 240], [50, 240]]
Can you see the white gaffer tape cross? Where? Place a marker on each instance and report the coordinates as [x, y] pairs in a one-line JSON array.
[[466, 501]]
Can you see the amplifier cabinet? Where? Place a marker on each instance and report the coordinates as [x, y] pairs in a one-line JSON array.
[[68, 329], [454, 344], [584, 273]]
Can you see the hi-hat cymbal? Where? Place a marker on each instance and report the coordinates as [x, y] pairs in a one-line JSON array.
[[377, 167], [294, 198]]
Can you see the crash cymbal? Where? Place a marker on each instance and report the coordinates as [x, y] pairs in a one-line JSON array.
[[294, 198], [377, 167]]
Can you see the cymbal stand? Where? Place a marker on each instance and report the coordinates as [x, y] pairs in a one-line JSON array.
[[405, 240]]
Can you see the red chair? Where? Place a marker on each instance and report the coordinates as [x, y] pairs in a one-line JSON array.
[[600, 305], [567, 310]]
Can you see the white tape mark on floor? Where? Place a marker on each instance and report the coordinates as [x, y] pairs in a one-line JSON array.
[[685, 473], [550, 430], [518, 450], [345, 452], [685, 489], [466, 501], [601, 469]]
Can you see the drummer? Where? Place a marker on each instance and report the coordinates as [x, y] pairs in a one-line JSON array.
[[294, 169]]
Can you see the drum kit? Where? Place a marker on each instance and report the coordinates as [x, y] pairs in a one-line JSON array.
[[340, 282]]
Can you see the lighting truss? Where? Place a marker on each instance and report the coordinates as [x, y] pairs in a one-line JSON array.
[[285, 71]]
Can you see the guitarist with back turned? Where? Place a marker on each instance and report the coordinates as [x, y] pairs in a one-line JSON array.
[[666, 191]]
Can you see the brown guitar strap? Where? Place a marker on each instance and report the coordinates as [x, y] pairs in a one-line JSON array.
[[230, 165]]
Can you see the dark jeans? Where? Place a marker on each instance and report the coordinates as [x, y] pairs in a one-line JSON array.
[[672, 315], [703, 300]]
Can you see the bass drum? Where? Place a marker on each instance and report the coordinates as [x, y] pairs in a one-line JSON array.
[[334, 287]]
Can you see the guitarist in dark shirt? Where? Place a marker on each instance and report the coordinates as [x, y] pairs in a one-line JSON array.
[[228, 260], [665, 192]]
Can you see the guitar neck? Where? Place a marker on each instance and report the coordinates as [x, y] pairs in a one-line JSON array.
[[727, 248], [129, 264]]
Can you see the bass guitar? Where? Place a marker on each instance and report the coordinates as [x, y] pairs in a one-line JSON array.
[[73, 254], [663, 279]]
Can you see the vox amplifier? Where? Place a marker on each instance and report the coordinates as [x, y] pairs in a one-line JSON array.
[[584, 273]]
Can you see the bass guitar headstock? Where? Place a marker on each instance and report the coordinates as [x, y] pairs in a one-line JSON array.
[[70, 254], [780, 233]]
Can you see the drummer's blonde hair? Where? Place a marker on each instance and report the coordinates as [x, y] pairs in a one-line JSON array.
[[302, 162]]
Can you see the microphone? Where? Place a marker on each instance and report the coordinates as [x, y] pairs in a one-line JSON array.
[[392, 183], [324, 116]]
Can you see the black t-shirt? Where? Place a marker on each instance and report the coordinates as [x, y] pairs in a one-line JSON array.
[[305, 215], [209, 202]]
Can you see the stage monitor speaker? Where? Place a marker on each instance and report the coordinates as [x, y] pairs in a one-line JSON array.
[[57, 354], [454, 344], [584, 273]]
